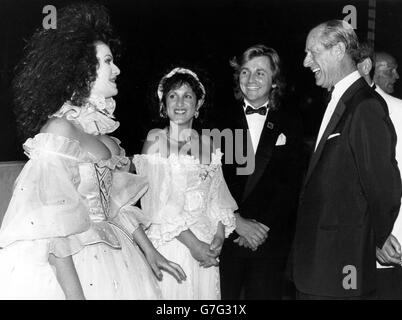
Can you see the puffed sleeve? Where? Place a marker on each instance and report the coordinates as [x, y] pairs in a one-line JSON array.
[[45, 202], [164, 201], [127, 189], [222, 204]]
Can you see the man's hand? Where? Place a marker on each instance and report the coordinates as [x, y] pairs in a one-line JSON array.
[[242, 242], [390, 252], [253, 231]]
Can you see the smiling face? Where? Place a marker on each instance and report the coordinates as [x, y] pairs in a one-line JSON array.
[[321, 61], [181, 105], [105, 83], [255, 79]]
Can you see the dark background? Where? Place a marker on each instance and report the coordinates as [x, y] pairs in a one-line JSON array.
[[156, 34]]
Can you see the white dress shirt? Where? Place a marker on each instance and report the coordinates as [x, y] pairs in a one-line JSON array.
[[255, 123], [339, 89]]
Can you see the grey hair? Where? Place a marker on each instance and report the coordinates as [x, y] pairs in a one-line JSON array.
[[335, 31]]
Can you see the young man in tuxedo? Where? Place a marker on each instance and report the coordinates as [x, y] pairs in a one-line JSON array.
[[351, 193], [254, 258]]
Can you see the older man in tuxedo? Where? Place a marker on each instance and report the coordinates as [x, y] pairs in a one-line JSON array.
[[351, 193], [253, 259], [385, 72], [389, 271]]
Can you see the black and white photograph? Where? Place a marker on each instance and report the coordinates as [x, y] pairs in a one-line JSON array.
[[220, 151]]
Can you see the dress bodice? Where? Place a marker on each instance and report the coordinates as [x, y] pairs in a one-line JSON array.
[[184, 193], [68, 194]]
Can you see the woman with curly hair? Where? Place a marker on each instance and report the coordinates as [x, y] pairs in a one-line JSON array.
[[71, 230], [188, 201]]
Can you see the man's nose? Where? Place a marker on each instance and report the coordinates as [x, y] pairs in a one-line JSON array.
[[252, 77], [396, 75], [307, 61]]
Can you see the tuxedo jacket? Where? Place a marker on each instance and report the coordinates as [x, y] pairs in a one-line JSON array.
[[270, 192], [349, 200]]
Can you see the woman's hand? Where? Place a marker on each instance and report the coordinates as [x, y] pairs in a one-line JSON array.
[[158, 262], [217, 241], [202, 252], [199, 250]]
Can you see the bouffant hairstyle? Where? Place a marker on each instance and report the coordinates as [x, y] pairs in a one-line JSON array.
[[278, 83], [60, 64]]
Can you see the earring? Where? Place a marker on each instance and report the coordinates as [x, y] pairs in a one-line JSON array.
[[162, 111], [196, 114]]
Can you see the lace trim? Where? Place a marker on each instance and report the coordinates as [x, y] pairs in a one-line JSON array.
[[49, 143], [184, 159], [95, 117]]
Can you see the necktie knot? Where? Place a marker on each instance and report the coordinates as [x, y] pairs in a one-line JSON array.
[[262, 110]]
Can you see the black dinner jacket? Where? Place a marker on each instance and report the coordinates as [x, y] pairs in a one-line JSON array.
[[349, 199], [268, 195]]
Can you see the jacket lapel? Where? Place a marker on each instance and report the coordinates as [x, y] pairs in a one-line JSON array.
[[264, 152], [336, 116]]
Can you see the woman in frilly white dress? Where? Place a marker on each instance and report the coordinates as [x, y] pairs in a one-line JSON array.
[[71, 230], [188, 201]]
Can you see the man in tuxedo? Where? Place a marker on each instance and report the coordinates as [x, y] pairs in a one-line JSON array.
[[389, 271], [351, 193], [253, 259], [385, 74]]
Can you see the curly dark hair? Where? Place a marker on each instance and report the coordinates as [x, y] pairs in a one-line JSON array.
[[260, 50], [60, 64]]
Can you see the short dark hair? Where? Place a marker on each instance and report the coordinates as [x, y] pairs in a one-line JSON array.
[[60, 64], [176, 81], [260, 50]]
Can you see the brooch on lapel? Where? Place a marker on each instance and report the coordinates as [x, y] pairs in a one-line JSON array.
[[270, 125]]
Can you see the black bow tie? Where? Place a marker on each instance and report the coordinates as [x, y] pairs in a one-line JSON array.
[[262, 110]]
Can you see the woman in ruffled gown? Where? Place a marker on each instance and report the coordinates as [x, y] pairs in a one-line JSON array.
[[71, 230], [188, 201]]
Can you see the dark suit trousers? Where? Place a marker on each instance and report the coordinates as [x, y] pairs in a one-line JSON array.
[[260, 278], [389, 283]]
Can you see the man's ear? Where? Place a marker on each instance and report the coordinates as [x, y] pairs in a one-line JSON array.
[[339, 50], [365, 66]]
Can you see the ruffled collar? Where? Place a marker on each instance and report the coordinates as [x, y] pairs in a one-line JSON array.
[[95, 116]]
